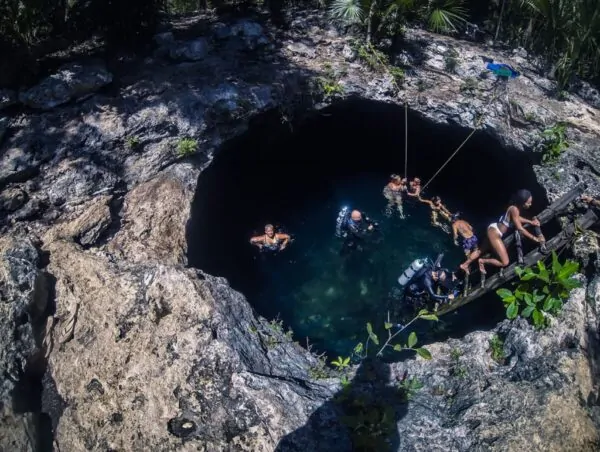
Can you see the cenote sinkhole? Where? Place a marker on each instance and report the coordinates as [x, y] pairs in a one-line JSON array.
[[299, 177]]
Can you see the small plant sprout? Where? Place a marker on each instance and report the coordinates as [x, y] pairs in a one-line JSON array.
[[341, 363], [186, 147]]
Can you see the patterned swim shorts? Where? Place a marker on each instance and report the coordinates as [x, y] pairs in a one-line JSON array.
[[470, 244]]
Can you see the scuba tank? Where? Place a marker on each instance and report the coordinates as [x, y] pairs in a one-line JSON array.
[[411, 271], [341, 221]]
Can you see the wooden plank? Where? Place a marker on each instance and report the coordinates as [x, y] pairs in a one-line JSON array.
[[497, 280]]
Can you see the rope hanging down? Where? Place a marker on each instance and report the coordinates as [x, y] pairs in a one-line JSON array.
[[479, 122], [453, 154], [406, 139]]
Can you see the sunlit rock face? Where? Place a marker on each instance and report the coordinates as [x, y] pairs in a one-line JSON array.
[[146, 354]]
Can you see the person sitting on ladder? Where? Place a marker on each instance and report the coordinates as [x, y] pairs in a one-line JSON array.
[[512, 218]]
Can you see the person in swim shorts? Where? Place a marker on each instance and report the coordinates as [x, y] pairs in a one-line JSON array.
[[462, 229]]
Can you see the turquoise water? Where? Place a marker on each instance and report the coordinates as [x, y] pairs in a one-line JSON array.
[[328, 297]]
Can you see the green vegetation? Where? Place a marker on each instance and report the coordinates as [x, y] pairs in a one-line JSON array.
[[497, 349], [540, 291], [319, 371], [409, 387], [186, 147], [132, 142], [554, 142], [363, 351], [443, 16], [451, 60], [330, 87], [456, 368], [564, 32], [469, 85]]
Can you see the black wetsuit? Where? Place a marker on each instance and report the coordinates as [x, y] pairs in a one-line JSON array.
[[423, 287], [356, 232]]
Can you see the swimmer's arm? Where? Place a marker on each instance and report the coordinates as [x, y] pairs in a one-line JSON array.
[[285, 238], [426, 201], [258, 240], [516, 218]]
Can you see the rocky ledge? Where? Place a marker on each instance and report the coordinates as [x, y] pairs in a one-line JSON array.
[[138, 352]]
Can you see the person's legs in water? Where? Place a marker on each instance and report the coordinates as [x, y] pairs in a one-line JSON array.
[[434, 218], [398, 202], [389, 208], [497, 245]]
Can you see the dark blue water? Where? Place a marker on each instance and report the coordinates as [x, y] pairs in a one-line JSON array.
[[329, 297], [299, 179]]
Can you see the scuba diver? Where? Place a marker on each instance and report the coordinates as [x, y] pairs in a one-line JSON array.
[[354, 227], [437, 208], [393, 192], [426, 282], [468, 239], [271, 241]]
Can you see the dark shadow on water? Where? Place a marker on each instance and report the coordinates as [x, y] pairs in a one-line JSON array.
[[362, 417]]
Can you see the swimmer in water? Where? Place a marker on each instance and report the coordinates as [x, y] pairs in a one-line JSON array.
[[464, 230], [271, 240], [437, 209], [414, 188], [394, 192]]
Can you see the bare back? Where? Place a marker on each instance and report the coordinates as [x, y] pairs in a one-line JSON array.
[[464, 229]]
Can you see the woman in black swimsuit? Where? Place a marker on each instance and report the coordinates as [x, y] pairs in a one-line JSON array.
[[271, 240]]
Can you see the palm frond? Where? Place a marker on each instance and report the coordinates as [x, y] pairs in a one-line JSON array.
[[446, 16], [347, 11]]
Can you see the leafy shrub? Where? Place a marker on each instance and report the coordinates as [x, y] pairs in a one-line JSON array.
[[554, 142], [540, 291], [330, 87]]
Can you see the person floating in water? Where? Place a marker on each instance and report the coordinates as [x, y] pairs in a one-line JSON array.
[[271, 240], [437, 209], [414, 188], [354, 227], [512, 218], [394, 192], [462, 229]]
